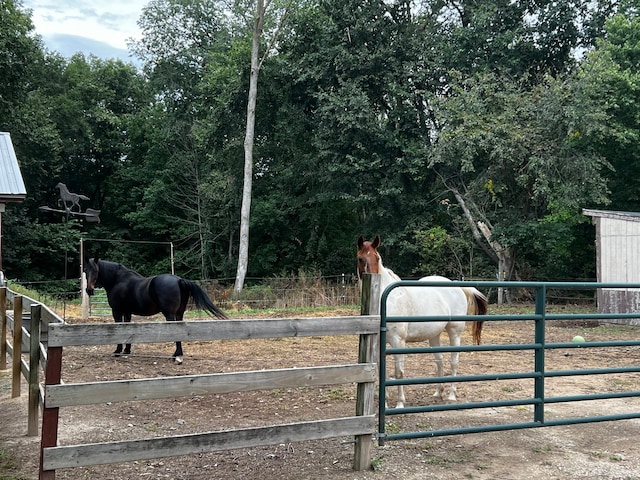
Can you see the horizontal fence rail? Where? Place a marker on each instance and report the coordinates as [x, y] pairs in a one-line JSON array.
[[189, 385], [538, 375], [205, 330], [96, 453]]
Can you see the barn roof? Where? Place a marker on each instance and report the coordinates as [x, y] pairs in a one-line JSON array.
[[629, 216], [12, 187]]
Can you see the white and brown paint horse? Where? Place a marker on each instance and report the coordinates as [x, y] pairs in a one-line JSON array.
[[416, 301]]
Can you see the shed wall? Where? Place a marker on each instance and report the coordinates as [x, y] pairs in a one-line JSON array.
[[619, 242]]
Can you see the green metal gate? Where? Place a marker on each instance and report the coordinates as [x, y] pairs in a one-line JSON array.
[[537, 400]]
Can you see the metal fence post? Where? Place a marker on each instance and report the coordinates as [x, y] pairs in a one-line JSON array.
[[538, 385]]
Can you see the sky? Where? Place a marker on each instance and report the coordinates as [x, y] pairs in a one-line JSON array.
[[100, 27]]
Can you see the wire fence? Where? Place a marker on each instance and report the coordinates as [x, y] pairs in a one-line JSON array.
[[264, 293]]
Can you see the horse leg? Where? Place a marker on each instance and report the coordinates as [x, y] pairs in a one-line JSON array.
[[439, 360], [177, 355], [127, 347], [118, 319], [455, 335]]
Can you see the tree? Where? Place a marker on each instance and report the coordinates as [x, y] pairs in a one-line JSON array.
[[611, 71], [516, 159], [245, 211], [180, 150], [256, 64]]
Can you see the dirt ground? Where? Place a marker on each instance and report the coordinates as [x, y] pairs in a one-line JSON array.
[[605, 450]]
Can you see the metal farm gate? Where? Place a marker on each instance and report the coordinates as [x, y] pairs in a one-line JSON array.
[[538, 375]]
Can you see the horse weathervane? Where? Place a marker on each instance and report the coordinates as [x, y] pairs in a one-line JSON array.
[[70, 201]]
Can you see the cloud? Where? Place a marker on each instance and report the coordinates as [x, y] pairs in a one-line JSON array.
[[68, 45], [100, 27]]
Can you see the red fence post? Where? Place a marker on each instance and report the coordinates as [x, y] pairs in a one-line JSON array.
[[50, 415]]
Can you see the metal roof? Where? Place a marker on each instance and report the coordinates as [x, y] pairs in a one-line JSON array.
[[12, 187], [630, 216]]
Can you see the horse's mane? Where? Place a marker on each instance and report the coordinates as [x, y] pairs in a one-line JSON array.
[[391, 273], [113, 267]]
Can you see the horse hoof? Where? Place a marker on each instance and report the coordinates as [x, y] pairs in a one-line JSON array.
[[399, 405], [177, 360]]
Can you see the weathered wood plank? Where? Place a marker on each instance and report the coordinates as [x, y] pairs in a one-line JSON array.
[[368, 352], [190, 385], [3, 328], [365, 402], [115, 452], [17, 346], [34, 377], [43, 356], [61, 335]]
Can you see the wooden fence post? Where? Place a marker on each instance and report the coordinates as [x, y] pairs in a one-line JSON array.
[[50, 416], [3, 320], [34, 370], [367, 353], [17, 346]]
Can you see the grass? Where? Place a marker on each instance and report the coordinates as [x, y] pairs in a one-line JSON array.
[[8, 465], [290, 311]]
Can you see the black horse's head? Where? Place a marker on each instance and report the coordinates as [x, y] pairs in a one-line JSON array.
[[91, 271]]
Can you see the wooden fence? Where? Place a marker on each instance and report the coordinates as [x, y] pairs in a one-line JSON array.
[[24, 329], [58, 395]]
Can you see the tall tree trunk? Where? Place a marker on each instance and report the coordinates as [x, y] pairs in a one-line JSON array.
[[245, 210]]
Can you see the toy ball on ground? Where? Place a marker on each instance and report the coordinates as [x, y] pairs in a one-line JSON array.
[[578, 339]]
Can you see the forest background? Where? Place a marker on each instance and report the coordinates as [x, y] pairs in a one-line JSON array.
[[469, 134]]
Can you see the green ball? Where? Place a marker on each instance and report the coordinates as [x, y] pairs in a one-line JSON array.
[[578, 339]]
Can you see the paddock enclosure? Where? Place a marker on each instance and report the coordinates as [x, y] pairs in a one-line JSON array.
[[173, 403]]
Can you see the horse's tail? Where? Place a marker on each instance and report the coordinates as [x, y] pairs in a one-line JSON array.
[[477, 304], [202, 300]]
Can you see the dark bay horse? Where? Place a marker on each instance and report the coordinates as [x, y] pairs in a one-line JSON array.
[[129, 293]]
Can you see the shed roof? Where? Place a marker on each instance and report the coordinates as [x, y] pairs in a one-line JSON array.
[[12, 187], [629, 216]]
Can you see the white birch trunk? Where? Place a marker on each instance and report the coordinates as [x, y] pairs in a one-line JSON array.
[[245, 210]]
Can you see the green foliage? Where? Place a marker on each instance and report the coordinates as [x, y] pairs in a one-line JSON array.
[[611, 72], [555, 248], [372, 118]]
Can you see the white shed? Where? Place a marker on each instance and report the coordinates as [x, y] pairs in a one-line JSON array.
[[617, 260]]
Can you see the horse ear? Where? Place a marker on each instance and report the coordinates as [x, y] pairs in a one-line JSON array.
[[360, 241], [376, 242]]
